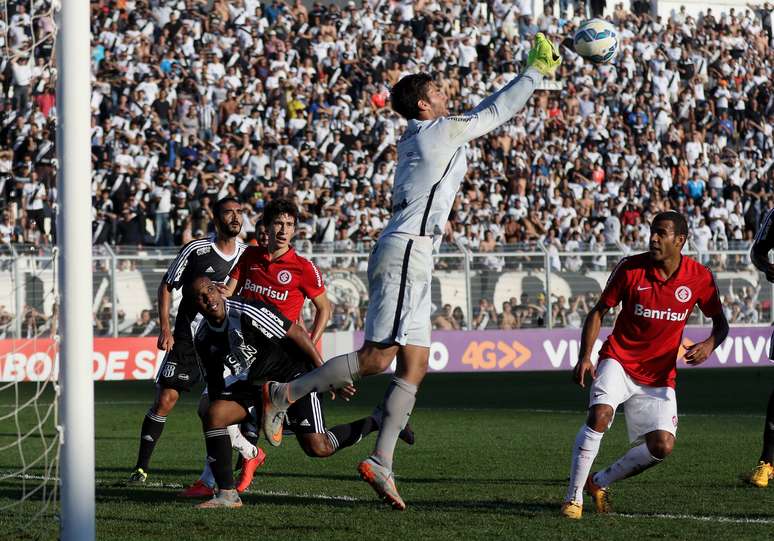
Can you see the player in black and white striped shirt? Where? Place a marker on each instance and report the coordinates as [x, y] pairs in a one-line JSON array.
[[213, 256]]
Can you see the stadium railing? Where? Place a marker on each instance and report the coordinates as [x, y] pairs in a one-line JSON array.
[[469, 281]]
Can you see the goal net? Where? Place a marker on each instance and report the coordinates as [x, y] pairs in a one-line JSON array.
[[29, 436]]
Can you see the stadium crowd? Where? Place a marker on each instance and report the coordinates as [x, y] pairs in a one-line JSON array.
[[198, 99]]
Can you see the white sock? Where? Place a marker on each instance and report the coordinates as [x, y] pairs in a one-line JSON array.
[[584, 452], [240, 443], [207, 476], [636, 460]]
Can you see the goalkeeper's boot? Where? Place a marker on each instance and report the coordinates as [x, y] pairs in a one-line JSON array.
[[407, 434], [275, 405], [137, 477], [599, 495], [573, 510], [222, 498], [761, 474], [544, 56], [249, 465], [199, 489], [382, 481]]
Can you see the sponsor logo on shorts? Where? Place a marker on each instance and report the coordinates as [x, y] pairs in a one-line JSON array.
[[268, 292], [169, 370], [204, 250], [683, 293], [674, 420], [284, 277], [183, 377], [305, 422], [666, 315]]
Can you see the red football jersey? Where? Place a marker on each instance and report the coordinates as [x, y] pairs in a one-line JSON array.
[[284, 282], [649, 330]]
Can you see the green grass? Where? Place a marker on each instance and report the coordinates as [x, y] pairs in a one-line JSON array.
[[491, 462]]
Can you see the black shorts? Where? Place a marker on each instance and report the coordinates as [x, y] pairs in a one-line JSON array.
[[180, 369], [306, 416], [241, 392]]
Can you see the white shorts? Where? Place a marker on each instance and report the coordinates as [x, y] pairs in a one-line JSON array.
[[646, 408], [399, 276]]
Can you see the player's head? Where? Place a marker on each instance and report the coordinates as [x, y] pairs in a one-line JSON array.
[[228, 217], [208, 299], [280, 217], [668, 233], [417, 96]]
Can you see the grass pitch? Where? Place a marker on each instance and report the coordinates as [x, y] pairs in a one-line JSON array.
[[491, 462]]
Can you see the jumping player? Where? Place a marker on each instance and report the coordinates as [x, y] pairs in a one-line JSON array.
[[763, 244], [213, 256], [657, 291], [248, 338], [431, 165]]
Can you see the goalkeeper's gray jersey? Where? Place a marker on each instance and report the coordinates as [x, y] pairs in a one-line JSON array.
[[432, 161]]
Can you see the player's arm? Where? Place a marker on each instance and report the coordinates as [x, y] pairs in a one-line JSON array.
[[229, 288], [763, 243], [322, 316], [700, 352], [301, 339], [589, 335], [491, 113], [164, 297]]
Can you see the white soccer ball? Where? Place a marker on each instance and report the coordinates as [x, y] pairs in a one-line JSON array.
[[596, 40]]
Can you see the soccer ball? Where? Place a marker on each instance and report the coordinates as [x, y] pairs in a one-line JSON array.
[[596, 40]]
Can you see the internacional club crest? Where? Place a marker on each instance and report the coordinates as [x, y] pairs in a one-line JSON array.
[[284, 277], [683, 293]]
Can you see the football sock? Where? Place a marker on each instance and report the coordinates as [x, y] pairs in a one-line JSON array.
[[584, 452], [207, 477], [636, 460], [250, 432], [347, 435], [219, 457], [240, 443], [336, 373], [398, 404], [152, 427], [767, 455]]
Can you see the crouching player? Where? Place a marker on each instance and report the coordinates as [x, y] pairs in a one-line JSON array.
[[253, 341], [657, 291]]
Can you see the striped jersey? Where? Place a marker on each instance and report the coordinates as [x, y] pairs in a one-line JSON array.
[[432, 160], [763, 243], [249, 344], [199, 257]]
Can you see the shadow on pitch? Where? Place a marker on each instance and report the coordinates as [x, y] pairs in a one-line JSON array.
[[422, 480]]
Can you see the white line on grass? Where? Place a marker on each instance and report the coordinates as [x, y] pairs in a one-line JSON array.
[[701, 518]]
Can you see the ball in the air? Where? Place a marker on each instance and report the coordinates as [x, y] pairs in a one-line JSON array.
[[596, 40]]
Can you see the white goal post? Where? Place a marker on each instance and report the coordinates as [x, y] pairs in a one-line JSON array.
[[73, 224]]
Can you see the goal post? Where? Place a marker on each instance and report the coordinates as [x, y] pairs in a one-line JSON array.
[[73, 223]]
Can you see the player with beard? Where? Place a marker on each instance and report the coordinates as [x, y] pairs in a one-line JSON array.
[[213, 256]]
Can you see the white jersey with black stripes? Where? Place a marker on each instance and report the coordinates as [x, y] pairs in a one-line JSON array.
[[432, 160]]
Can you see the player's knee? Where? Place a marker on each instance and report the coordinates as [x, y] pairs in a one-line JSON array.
[[660, 445], [204, 405], [600, 417], [317, 447], [166, 402]]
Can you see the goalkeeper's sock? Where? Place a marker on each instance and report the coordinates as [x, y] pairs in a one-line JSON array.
[[152, 427], [398, 404], [347, 435], [219, 457], [767, 454]]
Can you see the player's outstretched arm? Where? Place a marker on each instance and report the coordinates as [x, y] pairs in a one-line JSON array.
[[591, 328], [164, 297], [700, 352]]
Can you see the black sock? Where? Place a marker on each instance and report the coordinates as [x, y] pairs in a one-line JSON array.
[[219, 456], [342, 436], [152, 427], [767, 455]]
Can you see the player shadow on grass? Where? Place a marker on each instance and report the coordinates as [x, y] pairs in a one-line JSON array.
[[420, 480]]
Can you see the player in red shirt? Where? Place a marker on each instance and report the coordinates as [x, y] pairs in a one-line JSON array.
[[657, 291]]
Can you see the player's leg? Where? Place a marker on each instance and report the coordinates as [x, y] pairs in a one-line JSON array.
[[764, 471], [220, 415], [179, 372], [651, 421], [203, 487], [607, 391]]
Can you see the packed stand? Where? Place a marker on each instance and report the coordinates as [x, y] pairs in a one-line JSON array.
[[194, 100]]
